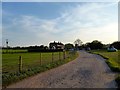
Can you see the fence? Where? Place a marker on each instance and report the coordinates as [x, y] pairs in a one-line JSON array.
[[23, 61]]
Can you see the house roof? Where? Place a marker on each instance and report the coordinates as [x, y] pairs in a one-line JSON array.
[[56, 43]]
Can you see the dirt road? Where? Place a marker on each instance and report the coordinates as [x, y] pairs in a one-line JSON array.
[[87, 71]]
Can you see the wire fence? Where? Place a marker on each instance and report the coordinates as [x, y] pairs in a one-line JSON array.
[[23, 61]]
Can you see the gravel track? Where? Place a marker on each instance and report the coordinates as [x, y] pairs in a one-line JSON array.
[[87, 71]]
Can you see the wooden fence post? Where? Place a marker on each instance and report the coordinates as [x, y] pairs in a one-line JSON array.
[[40, 59], [64, 54], [20, 63], [52, 56], [59, 56]]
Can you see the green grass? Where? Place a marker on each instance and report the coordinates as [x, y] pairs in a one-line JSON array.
[[13, 51], [113, 58], [113, 61], [10, 61], [31, 65]]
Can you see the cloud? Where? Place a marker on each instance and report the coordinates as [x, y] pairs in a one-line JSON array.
[[0, 24], [87, 21], [60, 1], [29, 30], [90, 14]]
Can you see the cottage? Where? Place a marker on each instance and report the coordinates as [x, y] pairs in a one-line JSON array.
[[56, 45]]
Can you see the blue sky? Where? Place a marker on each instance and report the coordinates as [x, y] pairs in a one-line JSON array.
[[0, 22], [37, 23], [60, 0]]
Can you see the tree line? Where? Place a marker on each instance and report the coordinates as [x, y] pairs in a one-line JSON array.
[[78, 45], [92, 45]]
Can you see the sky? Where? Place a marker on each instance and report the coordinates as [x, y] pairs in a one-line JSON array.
[[0, 24], [59, 0], [37, 23]]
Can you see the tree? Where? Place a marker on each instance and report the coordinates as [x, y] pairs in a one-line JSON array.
[[78, 42], [116, 44], [69, 46], [45, 47], [95, 45]]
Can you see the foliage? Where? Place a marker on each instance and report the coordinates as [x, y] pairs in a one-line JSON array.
[[69, 46], [116, 44], [78, 42], [95, 45], [29, 47]]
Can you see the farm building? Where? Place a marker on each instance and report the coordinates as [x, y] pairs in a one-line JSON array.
[[56, 45]]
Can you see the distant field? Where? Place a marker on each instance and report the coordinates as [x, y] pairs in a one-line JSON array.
[[113, 58], [10, 61], [13, 51]]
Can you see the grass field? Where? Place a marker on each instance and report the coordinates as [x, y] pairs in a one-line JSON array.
[[13, 51], [113, 60], [31, 64], [10, 61]]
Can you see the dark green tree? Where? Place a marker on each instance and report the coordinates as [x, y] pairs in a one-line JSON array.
[[116, 44], [95, 45], [69, 46]]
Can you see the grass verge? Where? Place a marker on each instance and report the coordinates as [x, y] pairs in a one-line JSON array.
[[16, 76]]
